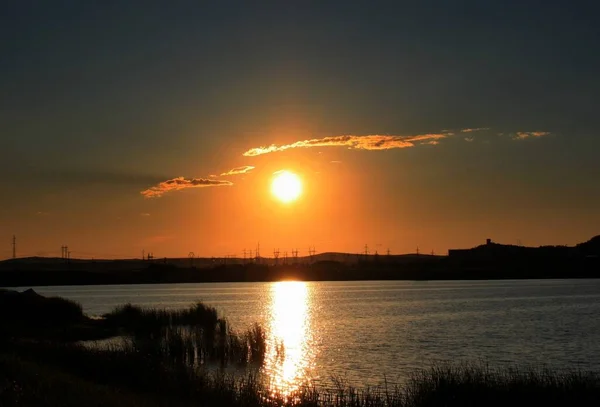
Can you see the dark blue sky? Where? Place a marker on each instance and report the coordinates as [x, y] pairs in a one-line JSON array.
[[102, 99]]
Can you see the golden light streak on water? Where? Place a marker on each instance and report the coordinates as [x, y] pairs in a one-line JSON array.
[[290, 326]]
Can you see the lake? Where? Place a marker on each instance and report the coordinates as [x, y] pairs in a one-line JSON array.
[[371, 331]]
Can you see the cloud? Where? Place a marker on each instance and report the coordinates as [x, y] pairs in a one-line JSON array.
[[238, 170], [335, 162], [469, 139], [180, 183], [370, 142], [522, 135], [144, 214], [474, 129]]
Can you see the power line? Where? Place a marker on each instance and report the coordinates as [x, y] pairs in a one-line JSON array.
[[14, 245]]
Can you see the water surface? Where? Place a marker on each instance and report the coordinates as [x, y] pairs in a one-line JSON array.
[[370, 331]]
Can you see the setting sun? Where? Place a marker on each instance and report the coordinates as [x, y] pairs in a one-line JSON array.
[[286, 186]]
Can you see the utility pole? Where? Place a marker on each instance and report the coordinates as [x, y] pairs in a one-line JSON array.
[[14, 244]]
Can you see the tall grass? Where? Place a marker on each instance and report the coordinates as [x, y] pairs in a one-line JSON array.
[[193, 336], [481, 385], [447, 386]]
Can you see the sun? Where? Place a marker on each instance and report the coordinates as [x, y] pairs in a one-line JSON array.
[[286, 186]]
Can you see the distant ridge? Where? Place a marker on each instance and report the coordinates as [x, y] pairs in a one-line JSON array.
[[587, 248]]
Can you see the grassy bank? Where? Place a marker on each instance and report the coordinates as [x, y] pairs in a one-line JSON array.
[[74, 376]]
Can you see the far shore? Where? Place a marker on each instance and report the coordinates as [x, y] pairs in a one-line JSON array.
[[429, 269]]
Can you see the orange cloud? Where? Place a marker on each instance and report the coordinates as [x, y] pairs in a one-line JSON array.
[[522, 135], [370, 142], [179, 183], [238, 170]]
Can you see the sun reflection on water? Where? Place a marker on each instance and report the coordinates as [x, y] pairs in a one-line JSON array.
[[290, 326]]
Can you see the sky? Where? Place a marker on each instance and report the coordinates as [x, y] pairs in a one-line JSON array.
[[429, 124]]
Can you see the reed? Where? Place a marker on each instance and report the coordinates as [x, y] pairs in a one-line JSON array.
[[193, 336], [442, 385]]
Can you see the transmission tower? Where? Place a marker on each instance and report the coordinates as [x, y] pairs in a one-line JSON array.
[[65, 252], [191, 256], [258, 253], [285, 258], [14, 245], [311, 253], [295, 254], [276, 255]]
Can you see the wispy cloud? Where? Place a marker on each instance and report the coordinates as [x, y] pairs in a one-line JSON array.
[[522, 135], [180, 183], [335, 162], [370, 142], [474, 129], [238, 170], [469, 139]]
